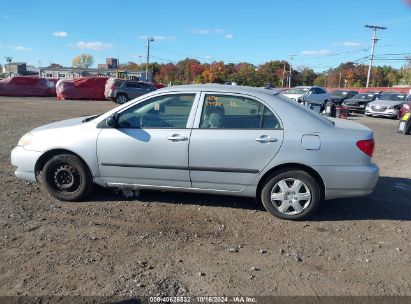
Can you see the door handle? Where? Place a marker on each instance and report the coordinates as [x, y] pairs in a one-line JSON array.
[[265, 139], [177, 137]]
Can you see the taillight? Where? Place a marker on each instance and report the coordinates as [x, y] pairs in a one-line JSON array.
[[113, 87], [366, 146]]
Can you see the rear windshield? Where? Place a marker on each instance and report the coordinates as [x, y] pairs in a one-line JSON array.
[[117, 82]]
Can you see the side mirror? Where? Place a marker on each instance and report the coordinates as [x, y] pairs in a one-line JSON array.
[[112, 121]]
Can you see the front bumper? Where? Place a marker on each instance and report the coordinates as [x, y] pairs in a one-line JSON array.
[[386, 113], [359, 108], [25, 162], [348, 181]]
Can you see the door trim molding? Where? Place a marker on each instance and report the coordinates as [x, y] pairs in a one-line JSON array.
[[165, 167]]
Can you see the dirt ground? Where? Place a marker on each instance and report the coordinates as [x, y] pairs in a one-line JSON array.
[[191, 244]]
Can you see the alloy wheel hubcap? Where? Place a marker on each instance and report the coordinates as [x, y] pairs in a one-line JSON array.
[[290, 196], [122, 99]]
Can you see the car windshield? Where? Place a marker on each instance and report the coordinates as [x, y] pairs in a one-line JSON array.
[[339, 93], [297, 91], [363, 96], [395, 97]]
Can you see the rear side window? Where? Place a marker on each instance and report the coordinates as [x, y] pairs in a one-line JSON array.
[[235, 112], [133, 84]]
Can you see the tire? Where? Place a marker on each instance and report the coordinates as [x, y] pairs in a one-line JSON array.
[[121, 98], [308, 190], [67, 178]]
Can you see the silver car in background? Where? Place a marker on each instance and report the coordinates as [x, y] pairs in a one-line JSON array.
[[387, 105], [205, 138]]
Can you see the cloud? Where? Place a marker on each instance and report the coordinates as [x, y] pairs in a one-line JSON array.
[[323, 52], [93, 45], [158, 37], [229, 36], [351, 43], [60, 34], [209, 31], [19, 48], [201, 32]]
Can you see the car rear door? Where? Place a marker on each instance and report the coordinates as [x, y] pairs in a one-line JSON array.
[[233, 140], [133, 89], [150, 144]]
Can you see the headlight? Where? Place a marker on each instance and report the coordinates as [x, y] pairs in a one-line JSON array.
[[26, 140]]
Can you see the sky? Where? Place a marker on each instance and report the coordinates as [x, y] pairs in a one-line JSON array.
[[318, 34]]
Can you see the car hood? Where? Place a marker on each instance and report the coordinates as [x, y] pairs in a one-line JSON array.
[[386, 102], [356, 100], [61, 124]]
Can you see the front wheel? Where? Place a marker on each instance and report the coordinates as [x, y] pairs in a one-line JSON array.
[[67, 178], [291, 195]]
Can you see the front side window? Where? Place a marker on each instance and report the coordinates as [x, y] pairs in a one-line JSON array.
[[235, 112], [166, 111]]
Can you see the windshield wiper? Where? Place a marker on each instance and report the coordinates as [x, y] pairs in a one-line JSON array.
[[87, 119]]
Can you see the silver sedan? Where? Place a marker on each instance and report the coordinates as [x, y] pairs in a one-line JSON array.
[[205, 138]]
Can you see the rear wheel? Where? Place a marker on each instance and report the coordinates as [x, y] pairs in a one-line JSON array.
[[291, 194], [121, 98], [67, 178]]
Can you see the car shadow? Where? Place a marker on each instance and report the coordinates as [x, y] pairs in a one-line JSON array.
[[391, 200]]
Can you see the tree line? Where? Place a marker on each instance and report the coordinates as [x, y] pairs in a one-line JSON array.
[[275, 73]]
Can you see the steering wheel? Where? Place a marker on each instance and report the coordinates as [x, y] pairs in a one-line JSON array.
[[148, 120]]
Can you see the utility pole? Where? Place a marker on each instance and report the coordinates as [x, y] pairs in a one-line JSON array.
[[282, 81], [39, 68], [9, 60], [149, 39], [374, 40], [291, 71], [339, 80]]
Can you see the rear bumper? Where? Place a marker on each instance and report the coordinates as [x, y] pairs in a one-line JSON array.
[[348, 181], [25, 162]]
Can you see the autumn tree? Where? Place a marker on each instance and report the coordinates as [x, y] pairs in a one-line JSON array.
[[82, 61]]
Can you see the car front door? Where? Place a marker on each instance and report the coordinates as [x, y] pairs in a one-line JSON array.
[[149, 146], [232, 141]]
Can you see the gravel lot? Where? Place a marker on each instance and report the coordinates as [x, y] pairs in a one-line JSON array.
[[189, 244]]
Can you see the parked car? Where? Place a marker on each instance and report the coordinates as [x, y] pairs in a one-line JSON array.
[[309, 94], [84, 88], [406, 107], [388, 105], [27, 86], [205, 138], [121, 90], [338, 96], [358, 102]]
